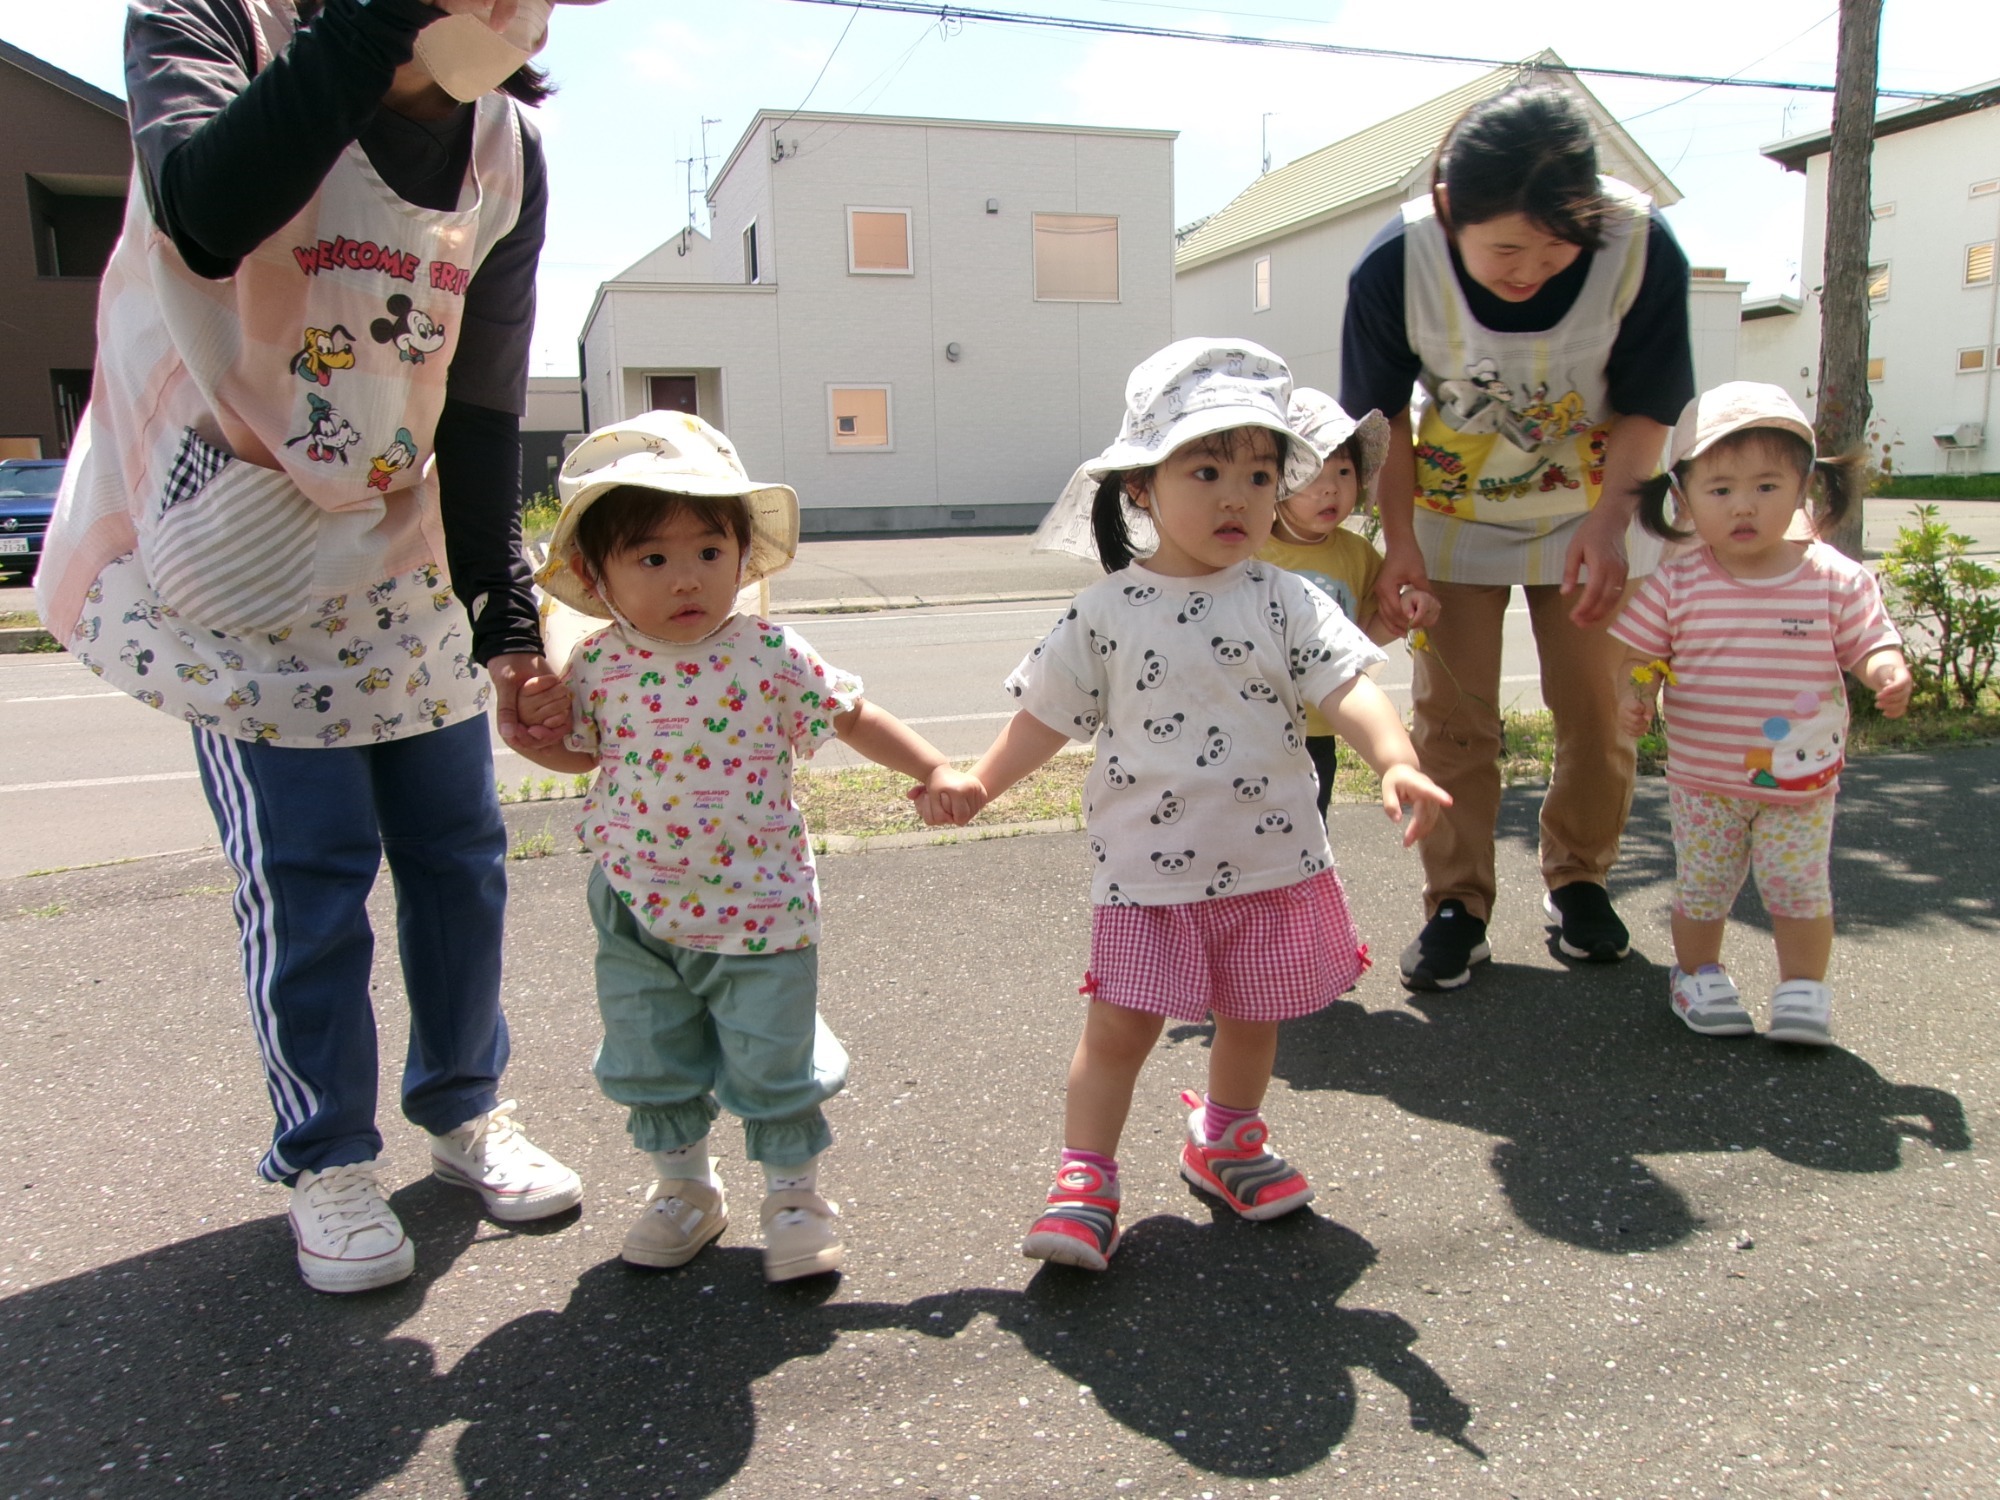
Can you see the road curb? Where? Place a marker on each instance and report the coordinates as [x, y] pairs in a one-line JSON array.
[[16, 639]]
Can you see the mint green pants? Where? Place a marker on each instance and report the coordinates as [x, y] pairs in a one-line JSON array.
[[686, 1031]]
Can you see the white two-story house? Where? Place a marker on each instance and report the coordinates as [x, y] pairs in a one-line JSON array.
[[914, 323], [1933, 293]]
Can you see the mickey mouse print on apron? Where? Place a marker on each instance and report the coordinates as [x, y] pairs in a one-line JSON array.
[[286, 582]]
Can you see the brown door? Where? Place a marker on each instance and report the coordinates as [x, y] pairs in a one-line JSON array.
[[671, 393]]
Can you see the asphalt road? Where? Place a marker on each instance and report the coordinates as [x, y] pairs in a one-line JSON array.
[[1562, 1246]]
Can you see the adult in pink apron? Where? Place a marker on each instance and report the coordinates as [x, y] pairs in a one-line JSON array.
[[291, 518]]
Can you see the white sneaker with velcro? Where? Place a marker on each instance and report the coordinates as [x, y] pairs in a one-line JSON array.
[[1708, 1001], [1802, 1012]]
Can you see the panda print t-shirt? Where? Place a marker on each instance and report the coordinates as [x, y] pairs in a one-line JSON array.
[[1195, 690]]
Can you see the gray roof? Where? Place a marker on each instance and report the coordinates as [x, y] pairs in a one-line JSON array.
[[1794, 152], [1377, 161]]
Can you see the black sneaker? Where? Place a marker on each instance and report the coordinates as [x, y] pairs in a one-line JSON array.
[[1590, 929], [1443, 955]]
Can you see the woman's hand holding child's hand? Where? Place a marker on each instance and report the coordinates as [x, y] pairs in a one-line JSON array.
[[1407, 788], [1423, 608], [1887, 675], [544, 706]]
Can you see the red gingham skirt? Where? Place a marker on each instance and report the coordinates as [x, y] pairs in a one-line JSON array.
[[1265, 956]]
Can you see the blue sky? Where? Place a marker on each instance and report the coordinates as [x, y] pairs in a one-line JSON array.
[[639, 76]]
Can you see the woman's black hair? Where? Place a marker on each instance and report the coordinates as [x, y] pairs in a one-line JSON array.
[[1107, 511], [527, 83], [1837, 479], [1531, 151]]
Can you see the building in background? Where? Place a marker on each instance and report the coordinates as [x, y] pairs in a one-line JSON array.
[[65, 162], [1934, 298], [553, 421], [1273, 263], [915, 323]]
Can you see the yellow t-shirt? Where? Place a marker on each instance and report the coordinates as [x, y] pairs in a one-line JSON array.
[[1344, 566]]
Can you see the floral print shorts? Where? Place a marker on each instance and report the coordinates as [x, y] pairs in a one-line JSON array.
[[1719, 839]]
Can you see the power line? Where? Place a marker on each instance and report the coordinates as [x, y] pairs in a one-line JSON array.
[[963, 13]]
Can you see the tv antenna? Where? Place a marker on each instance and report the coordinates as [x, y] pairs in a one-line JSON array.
[[1267, 140]]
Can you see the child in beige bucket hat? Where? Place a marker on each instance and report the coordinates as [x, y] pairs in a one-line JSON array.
[[705, 900]]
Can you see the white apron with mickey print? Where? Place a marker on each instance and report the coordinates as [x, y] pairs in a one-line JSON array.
[[248, 536]]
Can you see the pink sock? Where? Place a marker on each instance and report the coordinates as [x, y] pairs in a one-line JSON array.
[[1105, 1164], [1217, 1118]]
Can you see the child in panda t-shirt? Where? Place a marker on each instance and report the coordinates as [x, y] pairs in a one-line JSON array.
[[1213, 888]]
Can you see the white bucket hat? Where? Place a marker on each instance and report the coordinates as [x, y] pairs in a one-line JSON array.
[[678, 455], [1323, 422], [1734, 407], [1191, 389]]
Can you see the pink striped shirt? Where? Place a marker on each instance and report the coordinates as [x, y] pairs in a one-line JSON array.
[[1760, 708]]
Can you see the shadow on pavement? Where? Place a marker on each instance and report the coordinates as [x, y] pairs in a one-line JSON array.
[[1225, 1341], [205, 1363]]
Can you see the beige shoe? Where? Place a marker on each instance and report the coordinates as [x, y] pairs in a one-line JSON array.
[[680, 1218], [800, 1238]]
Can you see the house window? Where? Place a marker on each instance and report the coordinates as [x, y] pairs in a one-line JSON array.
[[1979, 264], [76, 222], [1885, 210], [750, 253], [1076, 258], [1984, 189], [1875, 368], [1260, 296], [1878, 281], [672, 393], [878, 241], [1972, 359], [858, 418], [71, 390]]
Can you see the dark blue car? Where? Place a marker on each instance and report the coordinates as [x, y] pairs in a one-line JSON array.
[[27, 499]]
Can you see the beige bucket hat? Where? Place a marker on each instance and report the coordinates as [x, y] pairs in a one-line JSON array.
[[1323, 422], [1734, 407], [678, 455]]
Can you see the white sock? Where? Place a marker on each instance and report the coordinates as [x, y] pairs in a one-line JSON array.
[[689, 1163], [802, 1178]]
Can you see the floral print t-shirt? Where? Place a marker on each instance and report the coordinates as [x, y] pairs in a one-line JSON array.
[[691, 815]]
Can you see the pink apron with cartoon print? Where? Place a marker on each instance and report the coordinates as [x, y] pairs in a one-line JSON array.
[[249, 533]]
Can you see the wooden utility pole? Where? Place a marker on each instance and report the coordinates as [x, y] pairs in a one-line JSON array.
[[1842, 416]]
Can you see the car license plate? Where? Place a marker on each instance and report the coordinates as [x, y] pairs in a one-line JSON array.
[[13, 544]]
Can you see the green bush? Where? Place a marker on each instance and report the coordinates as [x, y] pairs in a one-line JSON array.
[[1948, 608], [538, 516]]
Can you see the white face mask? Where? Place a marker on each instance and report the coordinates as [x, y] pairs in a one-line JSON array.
[[467, 58]]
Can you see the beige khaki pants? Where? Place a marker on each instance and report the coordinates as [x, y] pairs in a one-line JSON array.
[[1457, 733]]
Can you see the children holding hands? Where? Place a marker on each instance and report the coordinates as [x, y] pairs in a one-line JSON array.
[[1749, 633], [704, 896], [1214, 891]]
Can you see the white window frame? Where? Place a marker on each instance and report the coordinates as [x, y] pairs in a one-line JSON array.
[[1877, 369], [753, 260], [1888, 283], [1983, 189], [1260, 284], [909, 241], [1885, 210], [888, 415], [1118, 228], [1978, 352]]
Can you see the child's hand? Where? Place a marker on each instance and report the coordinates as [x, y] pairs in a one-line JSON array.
[[1407, 787], [544, 704], [1889, 676], [1424, 608], [1635, 713], [950, 798]]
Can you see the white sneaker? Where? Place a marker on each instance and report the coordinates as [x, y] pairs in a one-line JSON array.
[[1802, 1012], [350, 1240], [489, 1156], [1709, 1002]]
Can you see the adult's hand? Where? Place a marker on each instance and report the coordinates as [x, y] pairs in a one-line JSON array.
[[512, 672], [1402, 586], [1598, 551]]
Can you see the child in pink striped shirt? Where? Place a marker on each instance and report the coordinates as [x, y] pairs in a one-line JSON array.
[[1750, 633]]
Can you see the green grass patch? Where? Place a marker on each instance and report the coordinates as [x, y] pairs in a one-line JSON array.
[[19, 619], [1939, 487], [868, 801]]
